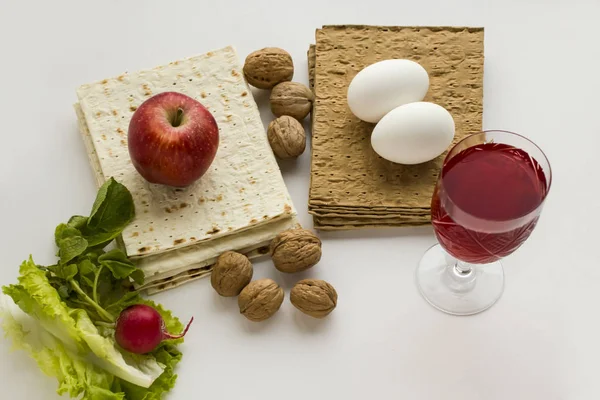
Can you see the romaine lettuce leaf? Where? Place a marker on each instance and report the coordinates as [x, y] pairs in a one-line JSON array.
[[75, 376], [64, 315], [74, 328]]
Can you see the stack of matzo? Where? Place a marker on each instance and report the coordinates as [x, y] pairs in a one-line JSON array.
[[240, 204], [351, 186]]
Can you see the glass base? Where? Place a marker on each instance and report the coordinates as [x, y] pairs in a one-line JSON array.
[[457, 288]]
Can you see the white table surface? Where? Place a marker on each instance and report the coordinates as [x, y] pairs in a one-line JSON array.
[[540, 341]]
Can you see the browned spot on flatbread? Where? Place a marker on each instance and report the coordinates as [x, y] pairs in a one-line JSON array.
[[242, 190], [213, 231], [287, 208], [183, 205], [110, 153], [203, 95], [253, 221], [115, 113], [123, 142], [229, 117], [178, 241], [121, 132], [98, 114], [145, 211], [201, 200], [105, 81], [199, 75], [147, 90], [103, 137], [121, 78], [253, 181], [246, 105], [209, 54], [143, 249], [193, 238], [220, 197], [230, 229], [223, 213], [151, 229], [244, 94], [167, 209], [132, 108], [265, 217], [135, 234], [235, 73]]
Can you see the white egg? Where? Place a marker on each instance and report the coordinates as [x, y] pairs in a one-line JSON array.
[[385, 85], [413, 133]]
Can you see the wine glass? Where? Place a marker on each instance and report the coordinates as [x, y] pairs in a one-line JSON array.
[[487, 201]]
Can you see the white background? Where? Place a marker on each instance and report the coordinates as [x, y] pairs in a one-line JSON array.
[[542, 79]]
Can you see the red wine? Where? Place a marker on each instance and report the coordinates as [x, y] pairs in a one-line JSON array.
[[487, 202]]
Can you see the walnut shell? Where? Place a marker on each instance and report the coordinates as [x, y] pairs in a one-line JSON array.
[[291, 98], [286, 137], [295, 250], [314, 297], [267, 67], [231, 273], [260, 299]]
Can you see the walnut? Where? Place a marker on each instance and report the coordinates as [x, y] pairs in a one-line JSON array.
[[231, 273], [267, 67], [293, 99], [260, 299], [295, 250], [286, 137], [314, 297]]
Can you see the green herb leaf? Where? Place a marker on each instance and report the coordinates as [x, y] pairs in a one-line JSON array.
[[64, 231], [113, 208], [100, 239], [64, 291], [63, 271], [87, 267], [87, 281], [92, 255], [78, 222], [138, 276], [71, 247], [118, 263], [130, 298]]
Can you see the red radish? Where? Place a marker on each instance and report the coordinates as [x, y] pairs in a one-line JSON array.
[[140, 329]]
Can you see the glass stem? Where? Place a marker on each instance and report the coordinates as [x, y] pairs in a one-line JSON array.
[[460, 276], [462, 268]]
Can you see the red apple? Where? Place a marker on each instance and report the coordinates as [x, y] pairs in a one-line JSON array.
[[172, 139]]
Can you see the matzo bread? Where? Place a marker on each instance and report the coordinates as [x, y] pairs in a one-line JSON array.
[[174, 267], [243, 188], [171, 269], [453, 56]]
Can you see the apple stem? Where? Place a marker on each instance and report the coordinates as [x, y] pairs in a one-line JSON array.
[[178, 117]]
